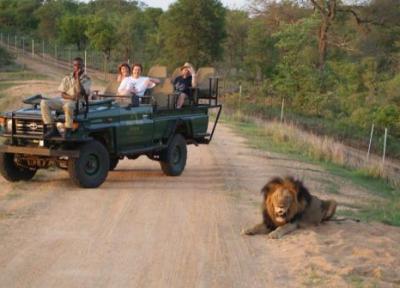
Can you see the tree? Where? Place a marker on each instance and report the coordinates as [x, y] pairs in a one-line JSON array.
[[131, 35], [235, 45], [72, 30], [49, 15], [193, 31], [327, 10], [102, 34], [19, 14], [261, 50]]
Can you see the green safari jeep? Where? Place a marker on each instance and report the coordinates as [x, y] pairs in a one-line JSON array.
[[105, 132]]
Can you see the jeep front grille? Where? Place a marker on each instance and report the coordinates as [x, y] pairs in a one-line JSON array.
[[29, 127]]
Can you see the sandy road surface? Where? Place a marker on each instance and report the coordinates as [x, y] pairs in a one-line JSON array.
[[144, 229]]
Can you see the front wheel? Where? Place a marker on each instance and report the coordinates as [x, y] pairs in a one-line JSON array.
[[91, 168], [13, 172], [173, 158]]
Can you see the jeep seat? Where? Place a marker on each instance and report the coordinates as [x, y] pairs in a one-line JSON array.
[[157, 71]]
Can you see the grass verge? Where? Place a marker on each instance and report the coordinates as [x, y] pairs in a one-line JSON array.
[[275, 141]]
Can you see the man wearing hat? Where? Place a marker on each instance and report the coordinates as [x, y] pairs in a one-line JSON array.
[[184, 83]]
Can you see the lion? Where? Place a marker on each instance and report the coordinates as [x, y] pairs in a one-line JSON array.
[[289, 205]]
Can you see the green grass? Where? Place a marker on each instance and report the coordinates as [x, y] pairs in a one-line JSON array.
[[356, 281], [338, 128], [386, 211]]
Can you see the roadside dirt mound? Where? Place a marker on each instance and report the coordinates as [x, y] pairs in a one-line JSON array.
[[144, 229]]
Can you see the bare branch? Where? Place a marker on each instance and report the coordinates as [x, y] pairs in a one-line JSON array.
[[316, 5]]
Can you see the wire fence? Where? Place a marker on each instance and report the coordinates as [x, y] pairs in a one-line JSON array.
[[53, 51]]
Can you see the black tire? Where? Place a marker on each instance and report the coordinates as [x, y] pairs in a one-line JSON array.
[[113, 163], [90, 170], [173, 158], [13, 172]]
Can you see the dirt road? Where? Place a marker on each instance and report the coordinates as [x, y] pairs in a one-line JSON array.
[[144, 229]]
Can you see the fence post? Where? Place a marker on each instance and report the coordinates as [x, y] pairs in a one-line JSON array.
[[15, 42], [370, 141], [384, 147], [240, 97], [282, 109], [23, 45], [104, 67], [33, 47], [69, 57], [85, 61], [43, 48]]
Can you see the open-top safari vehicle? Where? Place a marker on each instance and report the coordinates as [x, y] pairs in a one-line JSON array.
[[105, 132]]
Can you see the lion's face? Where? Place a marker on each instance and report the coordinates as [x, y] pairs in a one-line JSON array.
[[282, 201]]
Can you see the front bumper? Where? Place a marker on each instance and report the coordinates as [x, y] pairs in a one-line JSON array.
[[39, 151]]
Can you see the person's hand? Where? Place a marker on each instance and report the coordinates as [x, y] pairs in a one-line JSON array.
[[77, 73], [133, 90], [192, 72]]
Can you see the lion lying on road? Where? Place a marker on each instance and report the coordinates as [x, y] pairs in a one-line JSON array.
[[288, 205]]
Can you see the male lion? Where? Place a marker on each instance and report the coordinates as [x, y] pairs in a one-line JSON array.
[[288, 205]]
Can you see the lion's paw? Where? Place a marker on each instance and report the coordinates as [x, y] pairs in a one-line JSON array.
[[275, 235], [245, 231]]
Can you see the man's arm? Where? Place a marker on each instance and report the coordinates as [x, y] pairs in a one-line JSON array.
[[67, 96]]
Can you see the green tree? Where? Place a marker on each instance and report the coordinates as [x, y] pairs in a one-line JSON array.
[[72, 30], [193, 31], [102, 34], [235, 45], [19, 14], [261, 51], [131, 35], [49, 16], [152, 36]]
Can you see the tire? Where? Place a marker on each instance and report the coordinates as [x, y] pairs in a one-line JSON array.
[[90, 170], [173, 158], [13, 172], [113, 163]]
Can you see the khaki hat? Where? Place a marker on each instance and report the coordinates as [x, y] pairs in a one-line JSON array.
[[187, 65]]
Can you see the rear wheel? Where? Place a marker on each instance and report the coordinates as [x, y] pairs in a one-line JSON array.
[[91, 168], [173, 158], [11, 171]]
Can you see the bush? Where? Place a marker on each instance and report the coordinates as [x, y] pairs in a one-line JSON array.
[[387, 116], [6, 59]]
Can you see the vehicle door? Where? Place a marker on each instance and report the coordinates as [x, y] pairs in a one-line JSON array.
[[135, 130]]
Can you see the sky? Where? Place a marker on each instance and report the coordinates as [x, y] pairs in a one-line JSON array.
[[165, 3]]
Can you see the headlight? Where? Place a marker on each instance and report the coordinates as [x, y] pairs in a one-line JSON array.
[[9, 125]]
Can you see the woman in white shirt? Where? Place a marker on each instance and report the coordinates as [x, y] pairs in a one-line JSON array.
[[141, 83], [126, 86]]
